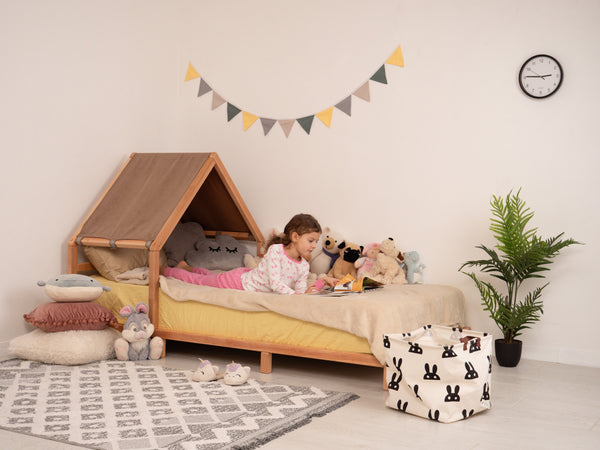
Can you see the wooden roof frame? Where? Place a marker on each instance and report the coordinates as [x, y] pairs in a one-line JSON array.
[[220, 190]]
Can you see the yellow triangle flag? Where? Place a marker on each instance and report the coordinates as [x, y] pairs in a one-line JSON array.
[[249, 119], [191, 73], [325, 116], [396, 59]]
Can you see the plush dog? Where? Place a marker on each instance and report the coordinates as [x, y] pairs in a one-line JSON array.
[[136, 343], [387, 268], [344, 265], [324, 256]]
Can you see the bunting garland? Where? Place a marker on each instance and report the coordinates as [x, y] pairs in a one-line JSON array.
[[306, 123]]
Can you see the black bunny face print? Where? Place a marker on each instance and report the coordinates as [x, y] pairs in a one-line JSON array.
[[448, 352], [452, 396], [414, 348], [471, 372], [431, 375]]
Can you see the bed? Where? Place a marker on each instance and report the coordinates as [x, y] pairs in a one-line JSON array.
[[134, 218]]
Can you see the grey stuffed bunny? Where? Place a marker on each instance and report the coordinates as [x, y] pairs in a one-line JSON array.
[[136, 343]]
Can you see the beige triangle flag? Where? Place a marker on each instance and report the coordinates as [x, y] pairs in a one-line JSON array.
[[325, 116], [286, 126], [191, 73], [217, 101], [396, 59], [363, 92], [249, 119]]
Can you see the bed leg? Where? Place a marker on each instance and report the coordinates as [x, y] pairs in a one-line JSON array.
[[266, 362], [385, 388], [164, 350]]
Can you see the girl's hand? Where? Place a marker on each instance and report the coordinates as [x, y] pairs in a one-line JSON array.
[[311, 288], [330, 281]]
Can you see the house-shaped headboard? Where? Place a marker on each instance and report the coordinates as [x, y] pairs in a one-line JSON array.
[[148, 197]]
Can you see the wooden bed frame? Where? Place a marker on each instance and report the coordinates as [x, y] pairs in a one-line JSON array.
[[211, 168]]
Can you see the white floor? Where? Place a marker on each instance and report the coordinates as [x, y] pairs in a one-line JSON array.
[[537, 405]]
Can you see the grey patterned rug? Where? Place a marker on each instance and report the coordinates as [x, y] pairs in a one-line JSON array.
[[128, 405]]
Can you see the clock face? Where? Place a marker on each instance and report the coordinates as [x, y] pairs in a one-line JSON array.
[[540, 76]]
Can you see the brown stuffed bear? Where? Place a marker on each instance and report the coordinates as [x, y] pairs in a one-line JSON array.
[[349, 253]]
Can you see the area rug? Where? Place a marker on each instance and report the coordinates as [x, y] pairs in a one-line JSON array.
[[143, 405]]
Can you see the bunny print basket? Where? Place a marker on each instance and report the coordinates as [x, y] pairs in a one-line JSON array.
[[439, 373]]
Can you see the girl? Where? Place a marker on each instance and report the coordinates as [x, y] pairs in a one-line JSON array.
[[284, 269]]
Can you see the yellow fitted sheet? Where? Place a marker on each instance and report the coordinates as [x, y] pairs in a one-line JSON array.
[[210, 320]]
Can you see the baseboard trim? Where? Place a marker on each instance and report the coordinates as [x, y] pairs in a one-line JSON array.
[[4, 353]]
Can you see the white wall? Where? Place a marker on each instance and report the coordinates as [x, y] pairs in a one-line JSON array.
[[85, 84]]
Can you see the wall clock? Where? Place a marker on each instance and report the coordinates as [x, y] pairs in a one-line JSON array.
[[540, 76]]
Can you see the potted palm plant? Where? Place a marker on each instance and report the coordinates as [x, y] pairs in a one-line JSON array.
[[518, 255]]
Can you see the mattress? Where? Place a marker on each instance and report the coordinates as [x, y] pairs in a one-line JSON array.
[[353, 324], [213, 320]]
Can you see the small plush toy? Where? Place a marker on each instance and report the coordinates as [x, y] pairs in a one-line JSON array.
[[387, 269], [236, 374], [73, 288], [182, 240], [344, 265], [324, 257], [413, 267], [368, 260], [206, 371], [136, 343]]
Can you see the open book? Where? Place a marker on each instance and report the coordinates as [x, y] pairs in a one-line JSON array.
[[348, 285]]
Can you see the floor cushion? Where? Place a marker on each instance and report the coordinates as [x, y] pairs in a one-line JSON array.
[[68, 348]]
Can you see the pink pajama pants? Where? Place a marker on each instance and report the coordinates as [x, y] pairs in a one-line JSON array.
[[231, 279]]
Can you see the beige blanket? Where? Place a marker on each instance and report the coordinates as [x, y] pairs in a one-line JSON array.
[[391, 309]]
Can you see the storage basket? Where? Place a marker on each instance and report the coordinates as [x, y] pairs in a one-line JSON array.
[[439, 373]]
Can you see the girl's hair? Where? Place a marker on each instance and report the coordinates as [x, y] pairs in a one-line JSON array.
[[301, 224]]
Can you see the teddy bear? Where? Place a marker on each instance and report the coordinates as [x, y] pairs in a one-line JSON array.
[[365, 263], [413, 267], [324, 256], [344, 265], [387, 269], [135, 343]]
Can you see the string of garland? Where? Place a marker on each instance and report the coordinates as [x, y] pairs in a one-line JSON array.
[[325, 116]]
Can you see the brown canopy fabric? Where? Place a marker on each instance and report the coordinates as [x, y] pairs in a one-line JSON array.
[[156, 189]]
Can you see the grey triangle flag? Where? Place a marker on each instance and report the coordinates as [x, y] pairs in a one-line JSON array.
[[232, 111], [204, 88], [379, 76], [345, 105], [306, 123], [267, 124]]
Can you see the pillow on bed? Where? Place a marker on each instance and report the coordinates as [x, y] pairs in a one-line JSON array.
[[53, 316], [182, 240], [221, 253], [111, 262], [65, 347]]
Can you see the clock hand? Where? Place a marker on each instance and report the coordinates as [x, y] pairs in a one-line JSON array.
[[543, 77]]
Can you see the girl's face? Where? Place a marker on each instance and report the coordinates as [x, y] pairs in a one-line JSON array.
[[302, 245]]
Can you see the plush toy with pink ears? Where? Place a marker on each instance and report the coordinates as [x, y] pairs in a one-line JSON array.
[[136, 343]]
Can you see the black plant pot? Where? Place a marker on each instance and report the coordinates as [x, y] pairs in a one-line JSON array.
[[508, 355]]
